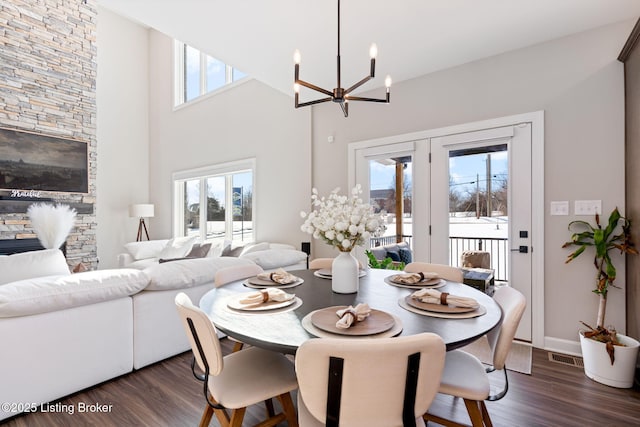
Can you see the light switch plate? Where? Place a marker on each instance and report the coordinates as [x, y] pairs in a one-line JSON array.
[[560, 208], [588, 207]]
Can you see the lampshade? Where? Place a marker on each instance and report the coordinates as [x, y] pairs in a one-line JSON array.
[[141, 211]]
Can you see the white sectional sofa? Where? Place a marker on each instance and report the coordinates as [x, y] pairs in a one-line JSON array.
[[267, 255], [64, 332]]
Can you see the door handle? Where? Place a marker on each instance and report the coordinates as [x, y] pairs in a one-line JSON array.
[[521, 249]]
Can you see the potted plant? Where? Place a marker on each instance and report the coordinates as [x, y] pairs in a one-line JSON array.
[[612, 367], [385, 264]]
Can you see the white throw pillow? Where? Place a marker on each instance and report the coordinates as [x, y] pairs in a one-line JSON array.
[[274, 258], [27, 265], [187, 273], [217, 248], [177, 247], [52, 293], [146, 249]]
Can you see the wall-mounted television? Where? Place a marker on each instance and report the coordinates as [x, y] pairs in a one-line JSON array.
[[31, 161]]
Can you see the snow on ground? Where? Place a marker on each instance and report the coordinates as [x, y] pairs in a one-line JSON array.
[[487, 227]]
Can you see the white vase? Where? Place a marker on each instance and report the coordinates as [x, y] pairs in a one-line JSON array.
[[344, 274], [597, 364]]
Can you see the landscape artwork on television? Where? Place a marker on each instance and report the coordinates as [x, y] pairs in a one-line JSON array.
[[34, 162]]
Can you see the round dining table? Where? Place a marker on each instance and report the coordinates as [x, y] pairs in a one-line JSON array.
[[285, 329]]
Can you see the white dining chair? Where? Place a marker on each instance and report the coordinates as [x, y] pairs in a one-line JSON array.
[[239, 379], [466, 377], [234, 273], [382, 382], [320, 263], [446, 272]]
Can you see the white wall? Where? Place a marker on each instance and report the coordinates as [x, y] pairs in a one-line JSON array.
[[578, 83], [575, 80], [122, 131], [246, 121]]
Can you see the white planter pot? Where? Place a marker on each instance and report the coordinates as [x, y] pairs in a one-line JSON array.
[[344, 274], [597, 364]]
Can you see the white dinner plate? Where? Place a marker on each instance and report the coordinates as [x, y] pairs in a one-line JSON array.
[[325, 273], [431, 283], [234, 302]]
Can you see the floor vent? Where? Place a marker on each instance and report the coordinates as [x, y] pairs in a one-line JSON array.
[[566, 360]]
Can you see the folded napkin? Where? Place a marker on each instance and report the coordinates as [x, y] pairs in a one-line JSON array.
[[433, 296], [413, 278], [280, 276], [265, 295], [350, 315]]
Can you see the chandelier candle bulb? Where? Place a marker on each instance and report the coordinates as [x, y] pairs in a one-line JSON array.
[[373, 51]]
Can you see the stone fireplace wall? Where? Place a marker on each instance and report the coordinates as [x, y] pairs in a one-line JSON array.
[[48, 72]]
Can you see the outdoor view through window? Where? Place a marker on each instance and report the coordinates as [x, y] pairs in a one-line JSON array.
[[478, 202]]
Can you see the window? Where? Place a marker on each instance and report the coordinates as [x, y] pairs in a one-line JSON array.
[[215, 203], [198, 73]]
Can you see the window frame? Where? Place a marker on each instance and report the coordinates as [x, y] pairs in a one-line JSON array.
[[180, 72], [227, 170]]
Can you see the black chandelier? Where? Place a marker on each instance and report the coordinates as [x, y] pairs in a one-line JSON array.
[[339, 94]]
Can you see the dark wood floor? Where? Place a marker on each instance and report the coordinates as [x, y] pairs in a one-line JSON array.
[[166, 394]]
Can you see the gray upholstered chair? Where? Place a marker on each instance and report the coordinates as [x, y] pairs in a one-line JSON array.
[[446, 272], [466, 377], [382, 382], [240, 379]]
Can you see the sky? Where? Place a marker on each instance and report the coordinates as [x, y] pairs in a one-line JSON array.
[[217, 187], [463, 170]]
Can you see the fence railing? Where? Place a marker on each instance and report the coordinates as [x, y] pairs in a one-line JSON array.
[[389, 240], [496, 246]]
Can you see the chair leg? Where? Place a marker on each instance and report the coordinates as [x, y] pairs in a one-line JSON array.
[[485, 415], [237, 346], [206, 416], [237, 415], [269, 405], [473, 408], [222, 416], [441, 421], [288, 409]]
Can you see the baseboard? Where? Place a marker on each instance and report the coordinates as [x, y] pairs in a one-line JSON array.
[[562, 346]]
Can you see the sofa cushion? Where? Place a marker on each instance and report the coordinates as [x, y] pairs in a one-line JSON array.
[[177, 247], [217, 247], [254, 247], [274, 258], [379, 252], [281, 246], [27, 265], [406, 255], [233, 250], [53, 293], [394, 255], [199, 250], [188, 272], [144, 250]]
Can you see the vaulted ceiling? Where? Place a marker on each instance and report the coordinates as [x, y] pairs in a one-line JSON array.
[[414, 37]]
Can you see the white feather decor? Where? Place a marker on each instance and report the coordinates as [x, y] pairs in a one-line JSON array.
[[51, 224]]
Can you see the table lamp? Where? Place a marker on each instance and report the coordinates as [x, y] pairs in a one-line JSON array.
[[141, 211]]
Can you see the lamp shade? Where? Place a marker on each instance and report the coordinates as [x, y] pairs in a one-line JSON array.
[[141, 211]]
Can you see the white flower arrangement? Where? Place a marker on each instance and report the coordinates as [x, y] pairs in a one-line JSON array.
[[342, 221]]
